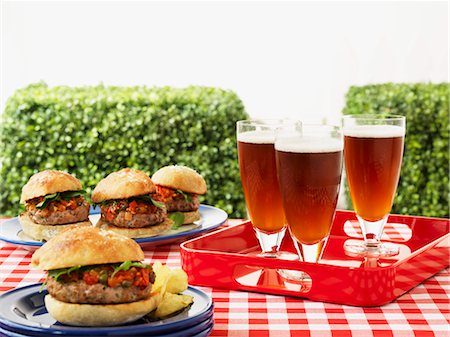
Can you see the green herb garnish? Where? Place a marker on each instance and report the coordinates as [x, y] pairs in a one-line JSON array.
[[151, 200], [187, 196], [127, 265], [57, 273], [67, 195], [177, 218]]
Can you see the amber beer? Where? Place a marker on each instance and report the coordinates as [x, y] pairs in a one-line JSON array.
[[373, 157], [309, 177], [259, 180]]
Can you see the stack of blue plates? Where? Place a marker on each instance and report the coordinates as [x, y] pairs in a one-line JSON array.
[[23, 313]]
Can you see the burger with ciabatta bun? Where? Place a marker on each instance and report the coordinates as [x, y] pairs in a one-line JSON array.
[[95, 278], [179, 187], [128, 205], [53, 201]]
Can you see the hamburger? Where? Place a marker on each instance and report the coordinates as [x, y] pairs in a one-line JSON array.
[[95, 278], [179, 187], [128, 205], [53, 201]]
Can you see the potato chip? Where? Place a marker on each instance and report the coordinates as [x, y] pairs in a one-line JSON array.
[[169, 284], [162, 275], [178, 281], [172, 303]]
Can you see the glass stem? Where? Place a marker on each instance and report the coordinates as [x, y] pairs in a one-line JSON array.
[[372, 230], [310, 253], [270, 242]]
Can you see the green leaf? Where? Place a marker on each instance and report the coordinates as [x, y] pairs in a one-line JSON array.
[[149, 199], [59, 196], [187, 196], [57, 273], [177, 218], [47, 199], [158, 204], [71, 194], [43, 285], [127, 265]]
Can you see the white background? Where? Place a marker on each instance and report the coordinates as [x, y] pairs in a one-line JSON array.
[[283, 59]]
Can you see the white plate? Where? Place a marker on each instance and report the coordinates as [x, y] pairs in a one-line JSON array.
[[210, 218]]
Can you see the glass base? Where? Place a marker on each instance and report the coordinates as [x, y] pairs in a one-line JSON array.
[[361, 249], [307, 253], [279, 255], [296, 276], [270, 242]]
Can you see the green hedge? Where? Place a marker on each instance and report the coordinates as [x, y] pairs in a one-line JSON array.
[[92, 131], [424, 181]]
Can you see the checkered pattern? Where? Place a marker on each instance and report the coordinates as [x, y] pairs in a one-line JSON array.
[[392, 231], [424, 311]]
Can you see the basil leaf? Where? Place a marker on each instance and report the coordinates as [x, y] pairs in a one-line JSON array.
[[151, 200], [127, 265], [158, 203], [187, 196], [47, 199], [143, 198], [71, 194], [177, 218], [67, 195]]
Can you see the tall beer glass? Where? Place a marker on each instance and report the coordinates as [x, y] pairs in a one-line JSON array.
[[309, 165], [259, 181], [373, 150]]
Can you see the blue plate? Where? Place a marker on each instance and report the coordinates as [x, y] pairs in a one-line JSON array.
[[22, 310], [211, 217], [183, 333], [199, 330]]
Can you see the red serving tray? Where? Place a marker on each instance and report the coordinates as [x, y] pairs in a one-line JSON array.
[[227, 259]]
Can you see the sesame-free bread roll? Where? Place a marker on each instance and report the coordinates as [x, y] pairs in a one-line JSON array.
[[85, 246], [99, 314], [123, 184], [46, 232], [180, 177], [135, 233], [49, 182]]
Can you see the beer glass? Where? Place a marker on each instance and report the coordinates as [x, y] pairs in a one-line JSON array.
[[309, 166], [257, 167], [373, 151]]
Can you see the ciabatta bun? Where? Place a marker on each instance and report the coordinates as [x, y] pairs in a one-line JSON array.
[[99, 314], [85, 246], [49, 182], [123, 184], [180, 177], [46, 232], [135, 233]]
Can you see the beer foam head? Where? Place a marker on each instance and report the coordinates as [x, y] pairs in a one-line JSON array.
[[257, 137], [309, 145], [374, 131]]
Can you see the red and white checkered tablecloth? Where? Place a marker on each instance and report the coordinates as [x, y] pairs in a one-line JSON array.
[[423, 311]]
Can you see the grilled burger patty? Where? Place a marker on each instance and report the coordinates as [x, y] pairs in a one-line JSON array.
[[132, 214], [176, 201], [179, 204], [100, 285], [81, 292], [59, 212]]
